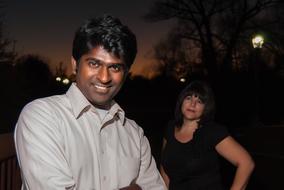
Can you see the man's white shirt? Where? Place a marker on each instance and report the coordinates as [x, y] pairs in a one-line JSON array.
[[62, 143]]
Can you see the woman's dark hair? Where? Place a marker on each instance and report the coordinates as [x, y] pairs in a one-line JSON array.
[[203, 91], [108, 32]]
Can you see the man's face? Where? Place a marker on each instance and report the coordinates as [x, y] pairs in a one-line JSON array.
[[100, 76]]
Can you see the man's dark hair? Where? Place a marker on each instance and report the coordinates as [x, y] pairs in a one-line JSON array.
[[108, 32], [203, 91]]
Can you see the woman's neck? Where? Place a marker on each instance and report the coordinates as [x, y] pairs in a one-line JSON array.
[[190, 124], [185, 132]]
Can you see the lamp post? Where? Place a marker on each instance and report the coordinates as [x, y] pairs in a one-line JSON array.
[[257, 43]]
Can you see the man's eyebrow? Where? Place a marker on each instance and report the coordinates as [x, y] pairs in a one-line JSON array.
[[98, 60], [92, 59]]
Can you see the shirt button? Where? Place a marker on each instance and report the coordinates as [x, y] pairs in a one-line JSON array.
[[104, 178]]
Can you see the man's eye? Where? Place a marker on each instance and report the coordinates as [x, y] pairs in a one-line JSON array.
[[94, 64], [116, 67]]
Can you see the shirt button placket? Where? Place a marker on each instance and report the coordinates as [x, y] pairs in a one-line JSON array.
[[104, 165]]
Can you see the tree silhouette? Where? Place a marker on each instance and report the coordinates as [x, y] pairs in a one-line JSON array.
[[33, 77], [7, 111], [7, 57], [214, 33], [7, 46]]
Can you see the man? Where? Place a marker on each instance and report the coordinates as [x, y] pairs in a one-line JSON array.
[[82, 140]]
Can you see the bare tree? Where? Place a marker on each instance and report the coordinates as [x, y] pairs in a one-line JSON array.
[[215, 33], [7, 46]]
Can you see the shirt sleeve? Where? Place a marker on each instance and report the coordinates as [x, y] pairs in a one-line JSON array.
[[40, 151], [217, 133], [149, 177]]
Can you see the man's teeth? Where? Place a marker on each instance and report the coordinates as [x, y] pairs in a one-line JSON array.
[[101, 87]]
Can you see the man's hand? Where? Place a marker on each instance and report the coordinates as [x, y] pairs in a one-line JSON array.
[[132, 187]]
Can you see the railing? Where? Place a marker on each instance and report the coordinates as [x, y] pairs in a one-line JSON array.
[[9, 170]]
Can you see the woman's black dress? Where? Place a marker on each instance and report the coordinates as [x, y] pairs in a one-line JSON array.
[[194, 165]]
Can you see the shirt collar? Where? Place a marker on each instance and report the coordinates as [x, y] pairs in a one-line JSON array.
[[80, 104], [117, 111]]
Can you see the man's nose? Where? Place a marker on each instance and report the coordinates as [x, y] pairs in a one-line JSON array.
[[103, 75]]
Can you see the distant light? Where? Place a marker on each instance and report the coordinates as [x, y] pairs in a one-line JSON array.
[[182, 79], [65, 81], [257, 41], [58, 79]]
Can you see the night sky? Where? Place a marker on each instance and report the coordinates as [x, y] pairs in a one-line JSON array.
[[46, 28]]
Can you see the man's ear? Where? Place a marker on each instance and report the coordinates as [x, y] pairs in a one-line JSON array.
[[74, 65]]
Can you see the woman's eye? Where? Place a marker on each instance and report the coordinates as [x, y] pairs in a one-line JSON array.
[[188, 97]]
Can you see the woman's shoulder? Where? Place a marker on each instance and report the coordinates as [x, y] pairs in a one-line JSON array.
[[213, 126], [215, 132]]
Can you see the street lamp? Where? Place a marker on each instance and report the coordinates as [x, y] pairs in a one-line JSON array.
[[182, 79], [257, 41], [58, 79], [64, 80]]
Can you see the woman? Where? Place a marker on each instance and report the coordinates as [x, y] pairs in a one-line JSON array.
[[193, 142]]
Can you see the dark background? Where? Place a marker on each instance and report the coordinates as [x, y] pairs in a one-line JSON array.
[[247, 82]]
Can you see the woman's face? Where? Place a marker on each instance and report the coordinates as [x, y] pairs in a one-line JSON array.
[[192, 108]]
